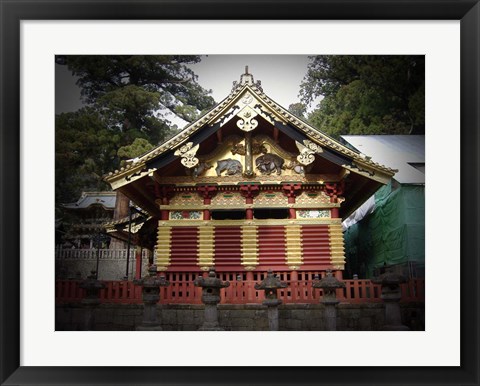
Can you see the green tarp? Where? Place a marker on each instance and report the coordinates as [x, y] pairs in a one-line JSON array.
[[393, 234]]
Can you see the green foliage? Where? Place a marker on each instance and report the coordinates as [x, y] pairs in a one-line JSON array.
[[129, 99], [187, 112], [298, 109], [162, 78], [138, 147], [84, 150], [366, 94]]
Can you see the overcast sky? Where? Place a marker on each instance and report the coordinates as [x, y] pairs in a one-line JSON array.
[[280, 75]]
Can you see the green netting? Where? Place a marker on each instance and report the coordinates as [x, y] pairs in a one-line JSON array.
[[393, 234]]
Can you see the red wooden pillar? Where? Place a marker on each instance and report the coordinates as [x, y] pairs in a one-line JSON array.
[[294, 285], [292, 191], [250, 284], [206, 214], [164, 193], [207, 192], [292, 213], [249, 192], [333, 191], [335, 213]]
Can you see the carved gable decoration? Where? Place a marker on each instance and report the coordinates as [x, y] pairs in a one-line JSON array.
[[247, 121], [187, 152], [307, 151], [227, 160], [244, 135]]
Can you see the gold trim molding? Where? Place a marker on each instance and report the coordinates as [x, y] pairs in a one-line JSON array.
[[320, 206], [162, 252], [219, 223]]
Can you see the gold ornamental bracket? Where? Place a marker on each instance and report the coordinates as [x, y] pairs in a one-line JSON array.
[[187, 153], [247, 122], [307, 151]]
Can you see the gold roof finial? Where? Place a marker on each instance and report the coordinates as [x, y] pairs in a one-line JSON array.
[[246, 78]]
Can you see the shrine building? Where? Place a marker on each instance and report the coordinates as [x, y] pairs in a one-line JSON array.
[[246, 188]]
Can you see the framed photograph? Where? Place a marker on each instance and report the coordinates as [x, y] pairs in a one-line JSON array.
[[40, 346]]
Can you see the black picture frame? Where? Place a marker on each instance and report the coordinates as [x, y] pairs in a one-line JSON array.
[[12, 12]]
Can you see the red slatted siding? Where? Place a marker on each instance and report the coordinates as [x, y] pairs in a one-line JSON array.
[[315, 246], [184, 246], [228, 246], [271, 246]]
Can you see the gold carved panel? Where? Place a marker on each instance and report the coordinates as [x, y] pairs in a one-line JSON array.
[[228, 199], [269, 198], [313, 197], [233, 149], [186, 199]]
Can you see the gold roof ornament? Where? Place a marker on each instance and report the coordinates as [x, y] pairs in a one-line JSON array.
[[246, 79], [187, 152], [247, 121], [307, 151]]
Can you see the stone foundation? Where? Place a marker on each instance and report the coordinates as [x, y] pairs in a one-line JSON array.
[[292, 317]]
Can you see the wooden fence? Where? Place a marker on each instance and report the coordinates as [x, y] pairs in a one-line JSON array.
[[91, 254], [182, 291]]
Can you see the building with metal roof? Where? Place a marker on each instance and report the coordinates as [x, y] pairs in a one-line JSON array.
[[389, 229]]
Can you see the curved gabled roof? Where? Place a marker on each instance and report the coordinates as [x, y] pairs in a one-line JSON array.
[[268, 109], [87, 199]]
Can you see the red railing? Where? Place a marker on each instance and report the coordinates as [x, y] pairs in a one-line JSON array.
[[241, 291]]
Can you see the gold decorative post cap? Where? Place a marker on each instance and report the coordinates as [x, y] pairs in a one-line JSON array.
[[247, 79]]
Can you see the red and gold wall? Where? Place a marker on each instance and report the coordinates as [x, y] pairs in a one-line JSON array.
[[248, 247], [310, 239]]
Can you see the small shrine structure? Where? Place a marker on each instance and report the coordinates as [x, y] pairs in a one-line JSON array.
[[85, 218], [246, 188]]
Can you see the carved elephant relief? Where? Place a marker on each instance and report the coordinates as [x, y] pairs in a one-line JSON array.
[[298, 168], [269, 163], [231, 166], [201, 168]]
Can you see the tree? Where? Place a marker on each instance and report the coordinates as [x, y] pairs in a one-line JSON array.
[[138, 147], [138, 91], [366, 94], [84, 150], [298, 109], [130, 100]]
